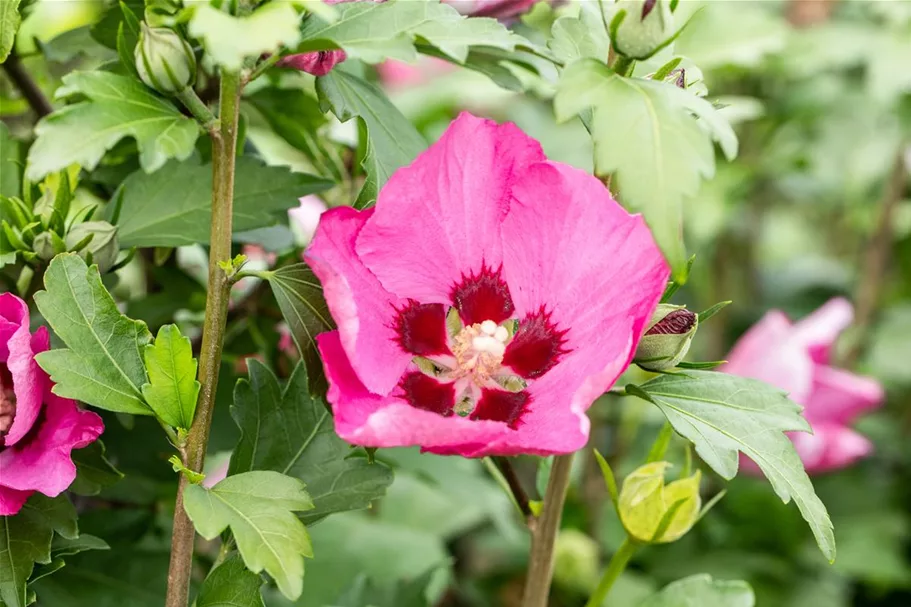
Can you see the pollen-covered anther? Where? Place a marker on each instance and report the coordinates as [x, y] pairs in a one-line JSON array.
[[479, 350]]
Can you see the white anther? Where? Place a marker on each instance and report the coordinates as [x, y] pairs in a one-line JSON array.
[[501, 335], [489, 327]]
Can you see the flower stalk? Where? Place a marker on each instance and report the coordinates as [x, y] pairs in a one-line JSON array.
[[616, 566], [544, 533], [193, 451]]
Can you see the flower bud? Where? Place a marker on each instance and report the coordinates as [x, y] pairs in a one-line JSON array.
[[103, 245], [576, 561], [645, 500], [645, 28], [164, 60], [667, 338], [46, 245]]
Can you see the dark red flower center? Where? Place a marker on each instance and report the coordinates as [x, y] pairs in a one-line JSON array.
[[422, 329], [482, 296], [537, 346]]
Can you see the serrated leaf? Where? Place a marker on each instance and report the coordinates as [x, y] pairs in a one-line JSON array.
[[703, 591], [173, 207], [172, 389], [289, 431], [102, 364], [300, 297], [647, 134], [231, 585], [229, 40], [373, 32], [724, 414], [392, 140], [9, 25], [93, 470], [117, 107], [579, 37], [25, 539], [258, 507]]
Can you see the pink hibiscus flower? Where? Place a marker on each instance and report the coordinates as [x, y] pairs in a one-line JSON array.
[[38, 429], [484, 302], [795, 358]]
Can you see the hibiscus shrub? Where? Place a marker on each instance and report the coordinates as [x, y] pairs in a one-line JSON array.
[[404, 294]]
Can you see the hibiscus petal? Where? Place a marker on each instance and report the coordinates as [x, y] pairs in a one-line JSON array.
[[364, 311], [818, 331], [438, 220], [42, 462], [12, 500], [29, 380], [830, 447], [839, 396]]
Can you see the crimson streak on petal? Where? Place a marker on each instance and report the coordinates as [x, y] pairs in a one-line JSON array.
[[536, 347], [422, 329], [501, 406], [423, 392], [483, 296]]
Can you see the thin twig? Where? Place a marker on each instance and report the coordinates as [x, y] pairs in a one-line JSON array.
[[515, 485], [29, 89]]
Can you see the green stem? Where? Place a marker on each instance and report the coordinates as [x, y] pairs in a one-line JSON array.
[[224, 144], [623, 65], [616, 566], [544, 533], [260, 69], [200, 111]]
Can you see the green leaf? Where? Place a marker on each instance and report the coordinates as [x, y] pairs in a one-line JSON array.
[[172, 388], [117, 107], [229, 40], [373, 32], [300, 298], [392, 141], [173, 207], [25, 539], [364, 591], [62, 546], [259, 507], [703, 591], [580, 37], [105, 30], [647, 134], [723, 414], [231, 585], [93, 470], [102, 364], [10, 166], [9, 24], [289, 431]]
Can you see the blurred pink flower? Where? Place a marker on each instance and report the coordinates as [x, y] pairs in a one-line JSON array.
[[38, 429], [795, 357], [305, 217], [499, 9], [398, 74], [546, 282]]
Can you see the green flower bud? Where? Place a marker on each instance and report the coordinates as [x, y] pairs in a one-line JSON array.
[[645, 501], [47, 244], [576, 561], [644, 29], [164, 60], [667, 338], [103, 245]]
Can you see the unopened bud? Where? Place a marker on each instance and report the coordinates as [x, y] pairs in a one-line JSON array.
[[647, 506], [667, 338], [645, 28], [103, 245], [164, 60], [47, 244], [576, 561]]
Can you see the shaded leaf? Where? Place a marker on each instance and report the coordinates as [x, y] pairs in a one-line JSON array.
[[289, 431], [258, 507], [102, 364], [93, 470], [62, 546], [117, 107], [703, 591], [172, 389], [392, 141], [229, 40], [404, 593], [231, 585], [724, 414], [173, 207]]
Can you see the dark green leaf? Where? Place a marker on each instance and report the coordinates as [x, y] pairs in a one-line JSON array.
[[289, 431], [9, 24], [117, 107], [105, 31], [231, 585], [102, 365], [404, 593], [258, 507], [702, 591], [300, 297], [392, 140], [724, 414], [93, 470], [172, 389], [62, 546], [173, 207]]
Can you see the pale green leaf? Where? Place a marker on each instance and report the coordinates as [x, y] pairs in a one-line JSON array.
[[374, 32], [102, 364], [702, 591], [300, 298], [289, 431], [579, 37], [392, 141], [230, 40], [172, 388], [117, 107], [724, 414], [656, 140], [9, 24], [173, 207], [259, 508], [231, 585]]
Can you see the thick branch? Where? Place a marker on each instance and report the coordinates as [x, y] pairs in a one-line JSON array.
[[29, 89]]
